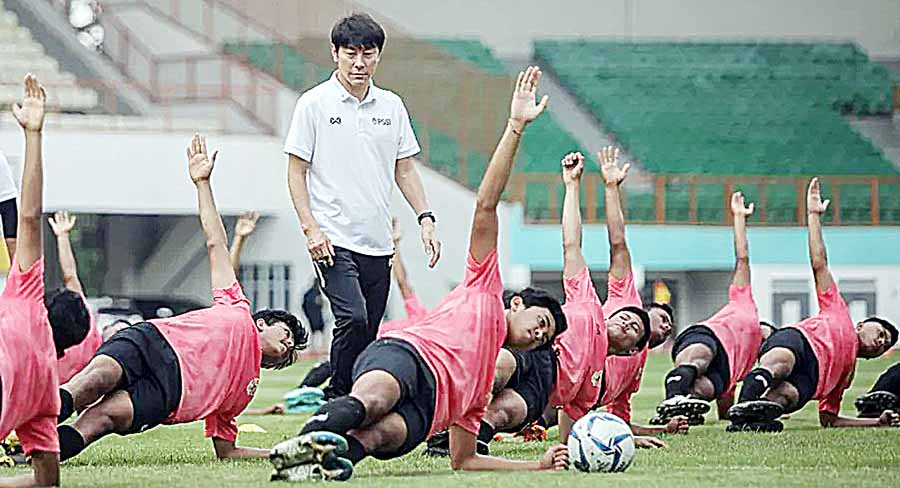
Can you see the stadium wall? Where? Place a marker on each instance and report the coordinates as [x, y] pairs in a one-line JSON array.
[[509, 26]]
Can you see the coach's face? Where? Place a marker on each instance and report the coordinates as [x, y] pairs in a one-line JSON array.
[[528, 327], [873, 339], [356, 65]]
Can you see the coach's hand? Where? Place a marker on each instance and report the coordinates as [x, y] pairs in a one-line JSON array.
[[523, 108], [431, 242], [647, 442], [678, 425], [889, 418], [319, 246], [30, 114], [609, 166], [200, 165], [556, 458]]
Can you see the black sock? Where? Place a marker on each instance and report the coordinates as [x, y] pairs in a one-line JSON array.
[[680, 380], [67, 407], [341, 415], [356, 452], [70, 442], [486, 432], [755, 384]]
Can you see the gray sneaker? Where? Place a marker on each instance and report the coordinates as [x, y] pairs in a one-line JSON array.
[[306, 449], [332, 468]]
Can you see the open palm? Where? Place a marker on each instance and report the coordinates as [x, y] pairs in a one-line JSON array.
[[524, 108], [62, 223], [200, 165], [738, 207], [609, 165], [30, 114], [814, 202], [246, 223]]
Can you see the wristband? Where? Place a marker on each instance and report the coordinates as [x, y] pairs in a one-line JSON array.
[[427, 215]]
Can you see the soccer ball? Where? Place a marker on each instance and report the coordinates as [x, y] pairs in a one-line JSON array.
[[601, 442]]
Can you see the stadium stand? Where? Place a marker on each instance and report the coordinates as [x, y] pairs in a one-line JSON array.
[[20, 53]]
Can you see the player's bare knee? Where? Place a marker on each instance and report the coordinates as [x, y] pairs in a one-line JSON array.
[[703, 388], [504, 368], [779, 362], [378, 391]]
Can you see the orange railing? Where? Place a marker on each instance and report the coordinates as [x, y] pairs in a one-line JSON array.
[[779, 200]]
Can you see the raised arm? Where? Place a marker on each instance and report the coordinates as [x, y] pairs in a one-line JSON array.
[[245, 226], [573, 257], [200, 166], [62, 223], [741, 249], [30, 115], [815, 207], [317, 243], [522, 111], [613, 176], [408, 179]]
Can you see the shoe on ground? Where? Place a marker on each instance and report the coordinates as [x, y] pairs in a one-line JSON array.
[[768, 426], [309, 448], [681, 405], [754, 411], [873, 404], [331, 468], [438, 445]]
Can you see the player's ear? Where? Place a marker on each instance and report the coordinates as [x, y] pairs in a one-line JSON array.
[[334, 53], [260, 324], [516, 304]]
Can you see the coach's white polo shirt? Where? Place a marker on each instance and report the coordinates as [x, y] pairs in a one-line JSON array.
[[8, 189], [353, 148]]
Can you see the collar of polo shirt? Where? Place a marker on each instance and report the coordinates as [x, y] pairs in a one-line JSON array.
[[346, 95]]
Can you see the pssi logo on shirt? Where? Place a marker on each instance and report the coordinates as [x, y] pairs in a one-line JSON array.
[[380, 121], [252, 386]]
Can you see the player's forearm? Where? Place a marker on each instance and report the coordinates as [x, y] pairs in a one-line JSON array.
[[829, 420], [408, 179], [25, 480], [619, 255], [741, 252], [221, 271], [573, 256], [565, 426], [237, 246], [67, 262], [297, 169], [246, 453], [647, 430], [817, 255], [478, 462], [30, 243], [500, 167]]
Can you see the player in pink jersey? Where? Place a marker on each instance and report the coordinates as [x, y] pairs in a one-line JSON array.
[[78, 356], [35, 330], [816, 358], [201, 365], [711, 357], [436, 372]]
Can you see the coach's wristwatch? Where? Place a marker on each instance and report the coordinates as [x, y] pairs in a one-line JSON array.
[[427, 215]]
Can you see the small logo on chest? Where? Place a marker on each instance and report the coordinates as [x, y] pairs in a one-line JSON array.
[[597, 378], [252, 386], [380, 121], [335, 120]]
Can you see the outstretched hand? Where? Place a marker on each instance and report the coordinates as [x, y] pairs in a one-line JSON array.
[[30, 114], [524, 108], [678, 425], [889, 418], [573, 167], [200, 165], [609, 166], [738, 207], [647, 442], [246, 223], [62, 223], [556, 458], [814, 202]]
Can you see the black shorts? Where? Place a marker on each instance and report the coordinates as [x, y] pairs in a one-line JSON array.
[[418, 389], [533, 380], [10, 215], [805, 375], [718, 372], [152, 375]]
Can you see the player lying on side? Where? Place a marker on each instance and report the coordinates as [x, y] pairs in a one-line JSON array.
[[202, 365], [436, 372], [816, 358], [712, 356], [35, 330], [884, 395]]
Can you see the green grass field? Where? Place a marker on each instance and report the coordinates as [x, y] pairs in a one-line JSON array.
[[803, 455]]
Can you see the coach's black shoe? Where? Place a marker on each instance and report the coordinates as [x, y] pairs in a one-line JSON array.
[[438, 445], [306, 449], [681, 405], [872, 404], [770, 426], [754, 411]]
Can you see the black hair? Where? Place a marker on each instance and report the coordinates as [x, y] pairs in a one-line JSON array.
[[763, 323], [69, 318], [889, 327], [645, 318], [358, 30], [298, 333], [537, 297], [665, 307]]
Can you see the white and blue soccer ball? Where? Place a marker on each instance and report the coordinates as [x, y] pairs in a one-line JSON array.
[[601, 443]]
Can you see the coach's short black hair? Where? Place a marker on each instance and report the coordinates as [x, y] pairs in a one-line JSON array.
[[298, 333], [537, 297], [889, 327], [69, 318], [358, 30], [645, 318]]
